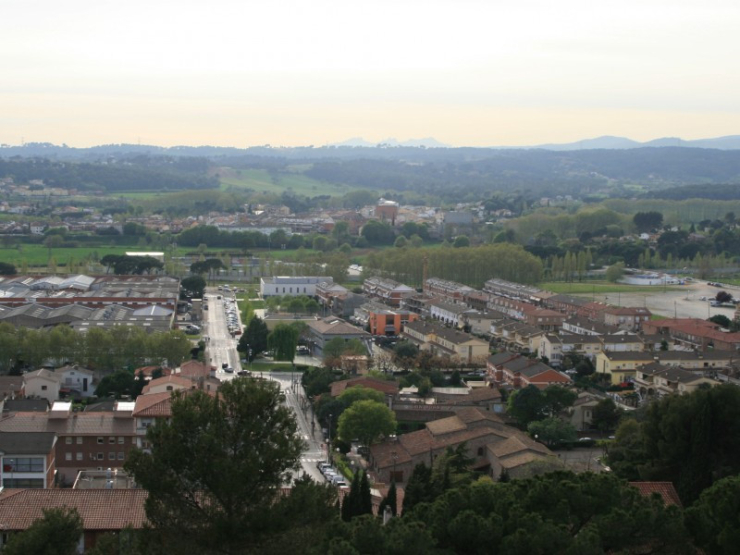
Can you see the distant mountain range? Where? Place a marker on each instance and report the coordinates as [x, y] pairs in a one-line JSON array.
[[730, 142]]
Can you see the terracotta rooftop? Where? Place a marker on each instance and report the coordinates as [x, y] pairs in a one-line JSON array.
[[664, 489], [173, 379], [153, 404], [384, 386], [100, 509]]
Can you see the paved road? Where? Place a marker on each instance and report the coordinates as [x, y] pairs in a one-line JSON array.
[[220, 347], [294, 398]]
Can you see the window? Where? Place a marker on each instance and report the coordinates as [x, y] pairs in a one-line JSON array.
[[120, 455], [111, 440], [68, 440], [101, 456], [101, 440], [79, 456], [68, 456], [480, 451], [23, 464], [23, 483], [111, 456], [43, 388], [79, 440], [121, 440]]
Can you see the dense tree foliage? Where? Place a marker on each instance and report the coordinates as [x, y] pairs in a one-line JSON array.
[[216, 469], [254, 339], [531, 404], [100, 349], [56, 533], [647, 221], [690, 440], [714, 519], [133, 175], [193, 286], [472, 266], [366, 421], [283, 341], [556, 513]]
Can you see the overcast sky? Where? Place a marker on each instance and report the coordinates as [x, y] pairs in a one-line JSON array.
[[289, 72]]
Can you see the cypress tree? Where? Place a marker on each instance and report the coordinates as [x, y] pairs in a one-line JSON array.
[[365, 504]]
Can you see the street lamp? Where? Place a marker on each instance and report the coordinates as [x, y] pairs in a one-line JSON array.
[[328, 440]]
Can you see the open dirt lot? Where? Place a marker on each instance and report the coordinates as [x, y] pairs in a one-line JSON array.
[[683, 303]]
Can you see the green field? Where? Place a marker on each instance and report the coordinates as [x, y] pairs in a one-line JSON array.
[[262, 182], [38, 255], [600, 287]]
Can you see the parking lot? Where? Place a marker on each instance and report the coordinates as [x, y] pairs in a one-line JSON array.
[[683, 301]]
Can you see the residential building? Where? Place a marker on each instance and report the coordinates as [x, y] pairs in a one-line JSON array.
[[545, 319], [556, 347], [382, 320], [583, 326], [42, 383], [388, 388], [28, 460], [387, 210], [442, 341], [657, 380], [449, 291], [626, 318], [581, 412], [492, 446], [103, 511], [85, 441], [479, 322], [387, 291], [515, 370], [448, 313], [76, 381], [622, 366], [515, 336], [320, 332], [327, 292], [291, 285], [694, 333]]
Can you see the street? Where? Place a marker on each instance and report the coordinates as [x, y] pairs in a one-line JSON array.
[[220, 346], [312, 435]]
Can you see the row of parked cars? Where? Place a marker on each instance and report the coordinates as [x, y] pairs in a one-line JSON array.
[[232, 318], [332, 475]]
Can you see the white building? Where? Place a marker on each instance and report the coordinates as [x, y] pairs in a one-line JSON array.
[[79, 381], [291, 285], [42, 383]]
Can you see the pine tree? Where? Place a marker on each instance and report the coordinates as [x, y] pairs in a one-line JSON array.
[[418, 488]]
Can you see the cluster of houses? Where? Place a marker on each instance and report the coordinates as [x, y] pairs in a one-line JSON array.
[[453, 320]]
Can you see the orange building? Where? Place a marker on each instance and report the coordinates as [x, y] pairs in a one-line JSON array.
[[390, 323]]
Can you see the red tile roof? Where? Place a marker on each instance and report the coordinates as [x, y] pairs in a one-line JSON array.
[[100, 509], [153, 404], [389, 388], [664, 489]]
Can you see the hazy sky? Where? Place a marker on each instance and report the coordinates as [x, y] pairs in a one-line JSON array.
[[289, 72]]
